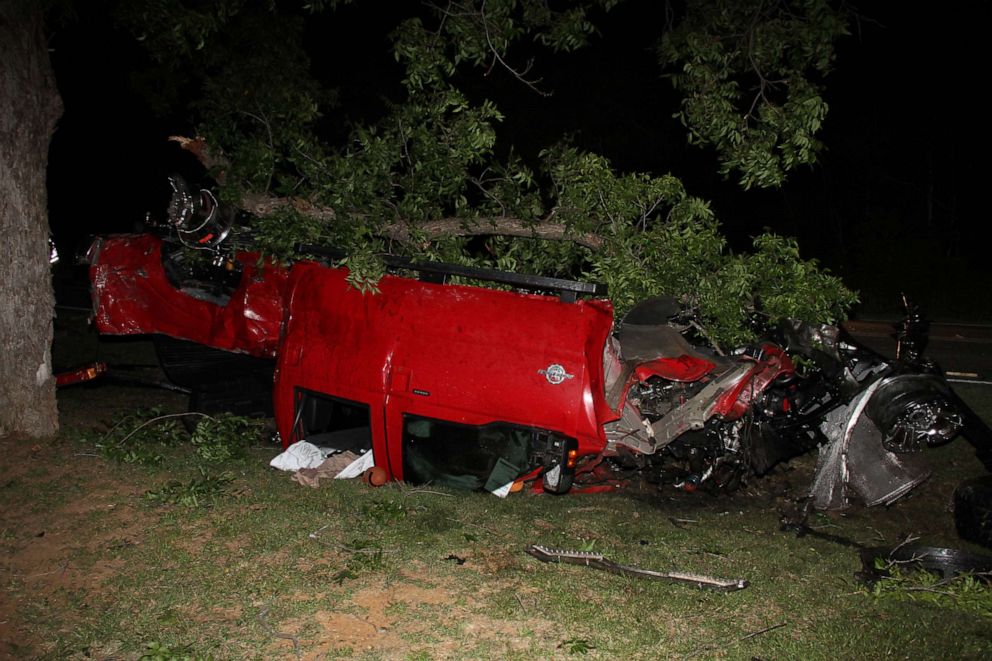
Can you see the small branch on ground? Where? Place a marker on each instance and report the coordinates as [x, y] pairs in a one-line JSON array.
[[471, 525], [708, 647], [762, 631], [263, 618], [159, 419]]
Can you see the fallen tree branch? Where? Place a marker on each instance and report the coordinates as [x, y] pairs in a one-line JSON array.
[[402, 231], [217, 164], [156, 419], [258, 204]]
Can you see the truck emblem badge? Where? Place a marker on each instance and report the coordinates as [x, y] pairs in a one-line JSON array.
[[555, 374]]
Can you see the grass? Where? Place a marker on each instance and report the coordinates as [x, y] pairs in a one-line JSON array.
[[255, 566]]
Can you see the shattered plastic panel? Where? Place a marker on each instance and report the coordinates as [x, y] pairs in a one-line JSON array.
[[132, 296]]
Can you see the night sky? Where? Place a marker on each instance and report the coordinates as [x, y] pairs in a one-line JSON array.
[[892, 205]]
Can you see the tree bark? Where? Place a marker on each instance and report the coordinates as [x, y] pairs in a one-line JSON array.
[[29, 107]]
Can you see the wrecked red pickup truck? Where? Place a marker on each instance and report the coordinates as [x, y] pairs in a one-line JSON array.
[[443, 382], [477, 387]]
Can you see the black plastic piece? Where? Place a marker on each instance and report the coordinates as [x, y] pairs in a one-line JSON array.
[[194, 365], [946, 562], [653, 311], [565, 473], [439, 272], [245, 396], [976, 431]]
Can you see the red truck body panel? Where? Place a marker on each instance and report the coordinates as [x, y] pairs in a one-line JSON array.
[[463, 354], [132, 295]]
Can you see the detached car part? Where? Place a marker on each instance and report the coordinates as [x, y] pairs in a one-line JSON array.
[[948, 563], [598, 561], [80, 374], [875, 441], [198, 219]]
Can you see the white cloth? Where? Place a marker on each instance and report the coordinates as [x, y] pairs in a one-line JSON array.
[[357, 467], [298, 455]]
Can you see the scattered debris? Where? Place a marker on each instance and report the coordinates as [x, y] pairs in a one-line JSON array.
[[356, 467], [877, 562], [375, 476], [598, 561], [328, 470], [339, 466], [80, 375]]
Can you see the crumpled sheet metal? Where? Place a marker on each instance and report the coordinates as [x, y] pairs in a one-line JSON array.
[[133, 296], [854, 462]]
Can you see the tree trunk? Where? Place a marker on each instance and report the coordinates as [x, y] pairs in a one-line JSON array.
[[29, 107]]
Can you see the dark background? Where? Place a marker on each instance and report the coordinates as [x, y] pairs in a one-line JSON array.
[[893, 204]]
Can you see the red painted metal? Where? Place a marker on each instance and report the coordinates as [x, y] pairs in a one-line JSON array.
[[772, 364], [684, 369], [132, 295], [464, 354], [80, 375]]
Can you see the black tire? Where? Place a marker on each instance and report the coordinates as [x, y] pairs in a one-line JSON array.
[[973, 510]]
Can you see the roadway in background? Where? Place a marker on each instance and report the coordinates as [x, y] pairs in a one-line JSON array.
[[957, 348]]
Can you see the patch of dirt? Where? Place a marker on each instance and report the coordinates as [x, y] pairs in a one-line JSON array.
[[45, 559], [52, 491], [344, 630], [383, 618], [376, 600], [371, 628]]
